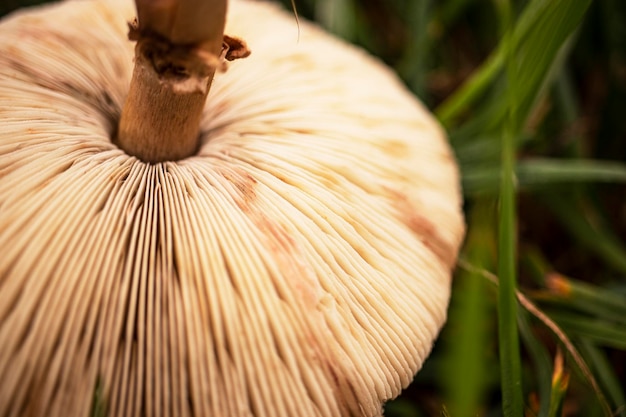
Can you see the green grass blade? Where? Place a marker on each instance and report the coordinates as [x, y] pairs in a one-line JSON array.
[[552, 22], [594, 300], [483, 151], [539, 34], [560, 382], [598, 331], [469, 92], [529, 306], [470, 311], [338, 16], [542, 364], [537, 173], [508, 337], [605, 373]]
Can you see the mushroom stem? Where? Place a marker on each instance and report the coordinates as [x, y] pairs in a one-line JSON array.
[[179, 43]]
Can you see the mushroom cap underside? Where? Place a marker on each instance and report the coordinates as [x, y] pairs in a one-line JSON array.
[[298, 265]]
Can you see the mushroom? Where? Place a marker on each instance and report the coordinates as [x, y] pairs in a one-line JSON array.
[[296, 263]]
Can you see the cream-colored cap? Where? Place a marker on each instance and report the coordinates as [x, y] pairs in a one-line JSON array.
[[298, 266]]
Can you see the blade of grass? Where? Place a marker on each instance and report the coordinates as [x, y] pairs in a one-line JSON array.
[[537, 173], [595, 330], [560, 382], [605, 372], [592, 299], [469, 312], [338, 16], [483, 151], [471, 90], [542, 364], [539, 34], [529, 306], [508, 337]]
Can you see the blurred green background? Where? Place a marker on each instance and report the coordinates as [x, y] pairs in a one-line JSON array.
[[533, 96]]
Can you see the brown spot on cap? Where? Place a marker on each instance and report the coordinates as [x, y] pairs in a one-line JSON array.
[[245, 184], [425, 229], [429, 236]]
